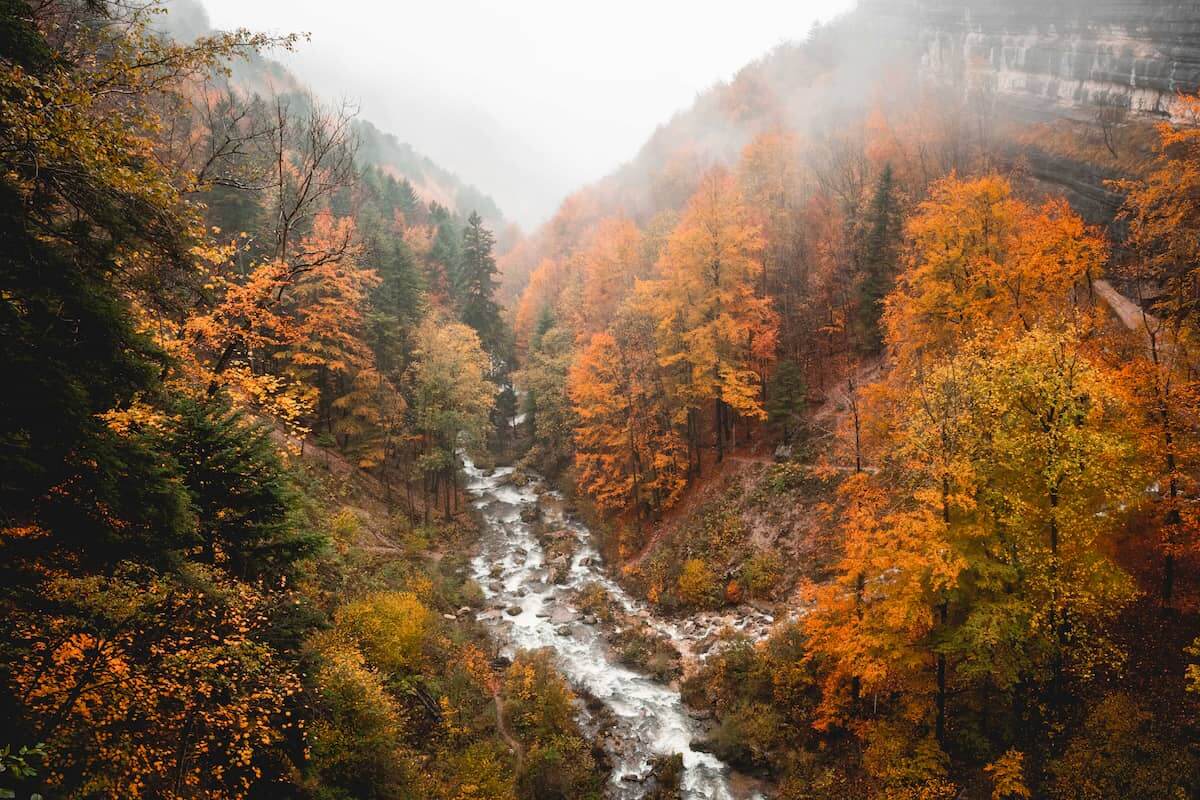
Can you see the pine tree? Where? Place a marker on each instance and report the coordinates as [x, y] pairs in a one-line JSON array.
[[475, 283], [445, 255], [395, 303], [246, 506], [787, 398], [877, 262]]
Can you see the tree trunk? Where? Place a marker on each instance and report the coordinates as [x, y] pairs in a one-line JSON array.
[[719, 431]]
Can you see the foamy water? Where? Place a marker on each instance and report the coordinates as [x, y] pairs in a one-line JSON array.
[[650, 717]]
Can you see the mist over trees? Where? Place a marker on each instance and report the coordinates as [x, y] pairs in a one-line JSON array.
[[892, 451]]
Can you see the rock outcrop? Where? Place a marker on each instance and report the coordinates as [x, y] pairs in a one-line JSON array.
[[1050, 57]]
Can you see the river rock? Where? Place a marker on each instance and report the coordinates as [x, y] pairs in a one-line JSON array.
[[563, 616], [513, 611], [489, 615]]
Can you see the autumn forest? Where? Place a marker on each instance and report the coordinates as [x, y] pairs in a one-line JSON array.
[[843, 443]]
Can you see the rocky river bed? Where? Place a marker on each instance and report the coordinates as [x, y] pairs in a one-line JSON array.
[[551, 591]]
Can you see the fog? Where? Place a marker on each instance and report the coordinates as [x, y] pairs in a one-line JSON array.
[[526, 99]]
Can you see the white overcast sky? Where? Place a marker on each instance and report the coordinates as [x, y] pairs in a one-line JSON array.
[[526, 99]]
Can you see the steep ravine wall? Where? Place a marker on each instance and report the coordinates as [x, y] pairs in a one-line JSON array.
[[1089, 63], [1056, 56]]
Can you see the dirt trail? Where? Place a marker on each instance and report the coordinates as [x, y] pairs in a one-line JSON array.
[[503, 729], [1128, 312]]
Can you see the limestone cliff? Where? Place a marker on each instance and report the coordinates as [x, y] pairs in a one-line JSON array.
[[1056, 56]]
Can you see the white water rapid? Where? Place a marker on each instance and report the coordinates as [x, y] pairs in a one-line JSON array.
[[650, 719]]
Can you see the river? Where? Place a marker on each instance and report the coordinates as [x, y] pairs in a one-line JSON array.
[[528, 611]]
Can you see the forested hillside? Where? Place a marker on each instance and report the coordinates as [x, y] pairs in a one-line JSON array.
[[836, 346], [843, 444], [242, 364], [258, 73]]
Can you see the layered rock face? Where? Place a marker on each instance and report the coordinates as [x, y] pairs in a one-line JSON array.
[[1101, 63], [1050, 57]]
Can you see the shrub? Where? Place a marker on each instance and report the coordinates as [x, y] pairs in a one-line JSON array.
[[539, 702], [355, 738], [697, 585], [392, 628], [762, 573], [1122, 751]]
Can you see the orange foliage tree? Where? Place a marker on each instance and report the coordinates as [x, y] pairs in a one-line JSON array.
[[716, 331], [628, 453]]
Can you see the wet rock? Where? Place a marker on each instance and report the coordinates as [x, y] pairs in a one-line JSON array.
[[513, 611], [589, 619], [563, 630], [530, 514], [563, 616], [489, 615]]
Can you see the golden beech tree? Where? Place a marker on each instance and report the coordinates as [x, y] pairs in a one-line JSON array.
[[981, 258], [325, 316], [976, 557], [717, 332], [628, 453], [1163, 216], [451, 400], [1061, 471], [613, 261]]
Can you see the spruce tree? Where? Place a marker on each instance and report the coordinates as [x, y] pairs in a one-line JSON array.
[[476, 283], [878, 258], [445, 255], [245, 502]]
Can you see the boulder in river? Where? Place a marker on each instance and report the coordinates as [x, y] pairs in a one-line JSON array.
[[563, 616], [513, 611]]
